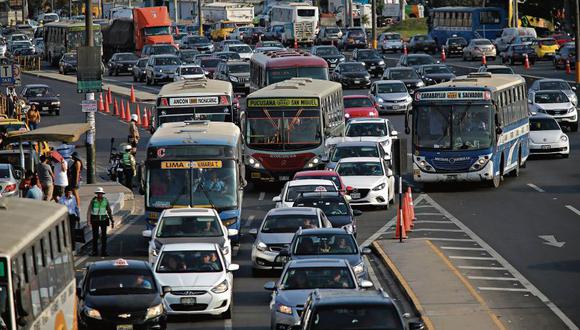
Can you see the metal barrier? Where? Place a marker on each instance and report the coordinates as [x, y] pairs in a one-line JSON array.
[[28, 62]]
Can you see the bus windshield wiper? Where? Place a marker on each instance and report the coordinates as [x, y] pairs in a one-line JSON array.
[[200, 185]]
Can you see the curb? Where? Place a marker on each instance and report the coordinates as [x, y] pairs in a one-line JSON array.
[[402, 283]]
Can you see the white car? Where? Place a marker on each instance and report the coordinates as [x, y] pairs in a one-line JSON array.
[[292, 189], [196, 279], [392, 96], [390, 41], [378, 130], [189, 225], [372, 181], [556, 104], [546, 137], [189, 72], [243, 50]]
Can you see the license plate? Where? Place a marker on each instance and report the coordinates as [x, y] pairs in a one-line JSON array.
[[125, 327], [255, 175], [396, 107], [452, 177], [372, 66], [187, 301], [284, 178], [355, 195], [546, 146], [44, 108], [333, 65], [357, 81], [426, 48]]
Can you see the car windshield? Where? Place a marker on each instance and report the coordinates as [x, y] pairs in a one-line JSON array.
[[127, 57], [36, 91], [356, 317], [210, 62], [332, 30], [189, 262], [482, 42], [156, 31], [353, 151], [21, 44], [358, 102], [369, 55], [436, 69], [555, 85], [321, 244], [188, 70], [550, 97], [366, 129], [544, 124], [188, 55], [198, 40], [109, 283], [165, 49], [356, 34], [294, 191], [167, 61], [456, 42], [240, 48], [317, 278], [422, 38], [458, 127], [4, 173], [324, 51], [69, 57], [371, 168], [505, 70], [228, 56], [334, 178], [393, 36], [403, 74], [521, 48], [334, 207], [288, 223], [239, 68], [419, 60], [391, 88], [354, 67], [189, 226]]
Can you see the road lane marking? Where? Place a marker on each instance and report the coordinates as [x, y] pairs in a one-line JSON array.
[[481, 268], [471, 258], [262, 195], [427, 213], [490, 278], [536, 188], [228, 324], [438, 229], [573, 209], [524, 281], [372, 274], [249, 221], [487, 288], [446, 239], [461, 248]]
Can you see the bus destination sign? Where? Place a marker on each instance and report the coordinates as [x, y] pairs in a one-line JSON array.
[[176, 165], [199, 100], [453, 95], [284, 102]]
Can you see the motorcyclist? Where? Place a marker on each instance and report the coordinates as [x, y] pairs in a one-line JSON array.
[[128, 164]]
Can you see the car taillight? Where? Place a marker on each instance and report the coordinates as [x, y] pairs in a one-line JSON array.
[[10, 188]]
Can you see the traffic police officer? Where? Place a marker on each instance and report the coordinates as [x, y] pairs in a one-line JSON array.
[[100, 215], [128, 163]]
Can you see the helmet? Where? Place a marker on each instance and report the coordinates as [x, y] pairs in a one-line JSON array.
[[128, 147], [134, 117], [100, 190]]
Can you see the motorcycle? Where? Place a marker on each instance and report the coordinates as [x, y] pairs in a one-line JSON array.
[[115, 169]]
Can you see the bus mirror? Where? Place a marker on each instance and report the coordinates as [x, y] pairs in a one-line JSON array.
[[394, 133], [276, 199]]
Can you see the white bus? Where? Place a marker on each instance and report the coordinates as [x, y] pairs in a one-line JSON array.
[[37, 282], [300, 22]]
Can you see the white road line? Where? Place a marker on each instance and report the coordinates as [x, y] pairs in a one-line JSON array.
[[447, 239], [432, 221], [427, 213], [461, 248], [372, 274], [573, 209], [262, 195], [471, 258], [249, 221], [536, 188], [481, 267], [488, 278], [422, 206], [438, 229], [228, 325], [487, 288], [524, 281]]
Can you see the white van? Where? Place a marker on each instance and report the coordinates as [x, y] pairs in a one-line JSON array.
[[509, 34]]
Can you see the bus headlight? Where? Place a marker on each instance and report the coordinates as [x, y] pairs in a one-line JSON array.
[[93, 313], [314, 162], [480, 162], [423, 164], [153, 312], [254, 163]]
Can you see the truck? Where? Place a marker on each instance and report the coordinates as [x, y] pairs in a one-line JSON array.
[[226, 16]]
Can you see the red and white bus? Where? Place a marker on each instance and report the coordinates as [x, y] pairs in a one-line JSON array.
[[276, 66], [286, 124]]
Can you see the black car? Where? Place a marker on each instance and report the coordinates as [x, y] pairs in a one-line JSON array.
[[415, 60], [408, 76], [516, 53], [372, 59], [352, 74], [120, 294], [236, 72], [330, 54], [121, 63], [200, 43], [334, 205], [454, 46], [435, 73], [354, 38], [67, 63], [187, 56], [253, 35], [422, 42], [43, 97]]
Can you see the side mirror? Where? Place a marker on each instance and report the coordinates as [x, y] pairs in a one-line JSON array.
[[394, 133], [530, 101], [416, 326], [146, 233], [232, 232], [233, 267], [284, 253], [253, 232], [270, 286], [390, 172], [366, 284], [387, 157], [276, 199], [366, 250], [573, 88], [166, 289], [498, 130], [357, 213]]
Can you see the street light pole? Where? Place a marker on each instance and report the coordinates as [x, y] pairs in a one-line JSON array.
[[577, 66], [199, 19], [91, 134], [374, 22]]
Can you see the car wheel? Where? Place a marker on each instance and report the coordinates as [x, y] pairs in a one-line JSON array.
[[147, 81], [60, 70]]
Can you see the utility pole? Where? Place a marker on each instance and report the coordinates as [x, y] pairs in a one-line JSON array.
[[402, 9], [345, 11], [374, 22], [351, 13], [515, 13], [577, 66], [199, 19], [91, 134], [176, 11]]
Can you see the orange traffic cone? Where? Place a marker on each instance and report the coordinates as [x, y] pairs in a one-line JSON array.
[[411, 207], [568, 69], [110, 95], [106, 105], [145, 122], [138, 111], [101, 108], [443, 56], [483, 60], [407, 212], [405, 48], [526, 62], [116, 108], [400, 231], [128, 109], [132, 99], [123, 114]]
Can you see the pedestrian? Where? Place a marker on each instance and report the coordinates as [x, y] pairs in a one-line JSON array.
[[11, 106], [33, 117], [134, 132], [100, 215], [74, 176], [128, 163], [26, 182], [60, 177], [46, 177], [70, 202], [34, 192]]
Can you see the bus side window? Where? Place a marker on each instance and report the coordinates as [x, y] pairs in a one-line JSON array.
[[21, 291], [34, 286], [43, 276]]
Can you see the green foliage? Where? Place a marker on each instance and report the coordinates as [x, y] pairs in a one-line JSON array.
[[409, 27]]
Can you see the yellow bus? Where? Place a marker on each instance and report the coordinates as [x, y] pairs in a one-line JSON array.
[[37, 282]]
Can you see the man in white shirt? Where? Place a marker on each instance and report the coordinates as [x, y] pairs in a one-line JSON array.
[[60, 178], [70, 202]]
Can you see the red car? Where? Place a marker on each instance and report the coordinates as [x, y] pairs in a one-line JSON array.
[[562, 38], [359, 106], [324, 175]]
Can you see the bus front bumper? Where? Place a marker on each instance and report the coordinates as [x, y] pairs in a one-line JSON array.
[[484, 174]]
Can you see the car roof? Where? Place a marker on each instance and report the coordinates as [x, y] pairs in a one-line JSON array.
[[361, 143], [188, 211], [388, 82], [35, 85], [189, 247], [318, 262], [319, 195], [419, 55], [359, 159], [163, 55], [368, 120], [309, 182], [293, 210], [110, 265], [496, 66], [236, 62], [321, 173], [315, 231], [5, 166], [347, 297], [401, 68]]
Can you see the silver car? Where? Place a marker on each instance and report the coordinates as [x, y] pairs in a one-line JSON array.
[[390, 41], [554, 84], [299, 278], [477, 48], [161, 68], [277, 230], [392, 96], [9, 181]]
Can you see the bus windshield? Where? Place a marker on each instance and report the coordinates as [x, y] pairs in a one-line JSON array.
[[178, 114], [278, 75], [456, 127], [283, 129], [196, 186]]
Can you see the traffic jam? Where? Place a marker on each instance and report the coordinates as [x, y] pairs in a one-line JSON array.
[[335, 122]]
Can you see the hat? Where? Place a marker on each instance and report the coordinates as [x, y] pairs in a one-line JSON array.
[[75, 155], [100, 190], [134, 117], [128, 147]]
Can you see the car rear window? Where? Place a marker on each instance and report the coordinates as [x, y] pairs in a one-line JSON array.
[[367, 317]]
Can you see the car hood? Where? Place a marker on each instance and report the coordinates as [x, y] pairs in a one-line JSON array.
[[353, 259], [411, 81], [217, 240], [545, 136], [359, 110], [166, 67], [362, 182], [339, 220], [119, 304], [331, 57], [276, 238], [292, 297], [371, 61], [193, 76], [131, 62], [393, 96], [190, 280], [204, 44], [440, 76], [361, 75], [554, 106]]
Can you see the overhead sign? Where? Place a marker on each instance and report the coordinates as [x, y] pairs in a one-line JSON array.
[[176, 165], [89, 106], [200, 100], [284, 102], [10, 75]]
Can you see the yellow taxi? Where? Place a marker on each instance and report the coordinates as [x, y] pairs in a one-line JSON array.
[[221, 30], [546, 48]]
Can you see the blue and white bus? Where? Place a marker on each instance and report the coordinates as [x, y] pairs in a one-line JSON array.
[[184, 161], [466, 22], [474, 128]]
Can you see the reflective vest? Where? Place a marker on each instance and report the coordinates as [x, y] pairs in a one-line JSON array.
[[99, 210], [126, 160]]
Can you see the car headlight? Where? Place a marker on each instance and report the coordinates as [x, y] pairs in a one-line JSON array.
[[342, 59], [571, 110], [480, 162], [563, 138], [254, 163], [420, 84], [284, 309], [541, 110], [261, 246], [93, 313], [379, 187], [55, 103], [381, 62], [154, 311], [226, 250], [159, 70], [423, 164], [408, 99], [313, 162], [358, 269], [371, 114], [221, 288], [229, 222], [368, 76], [234, 79]]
